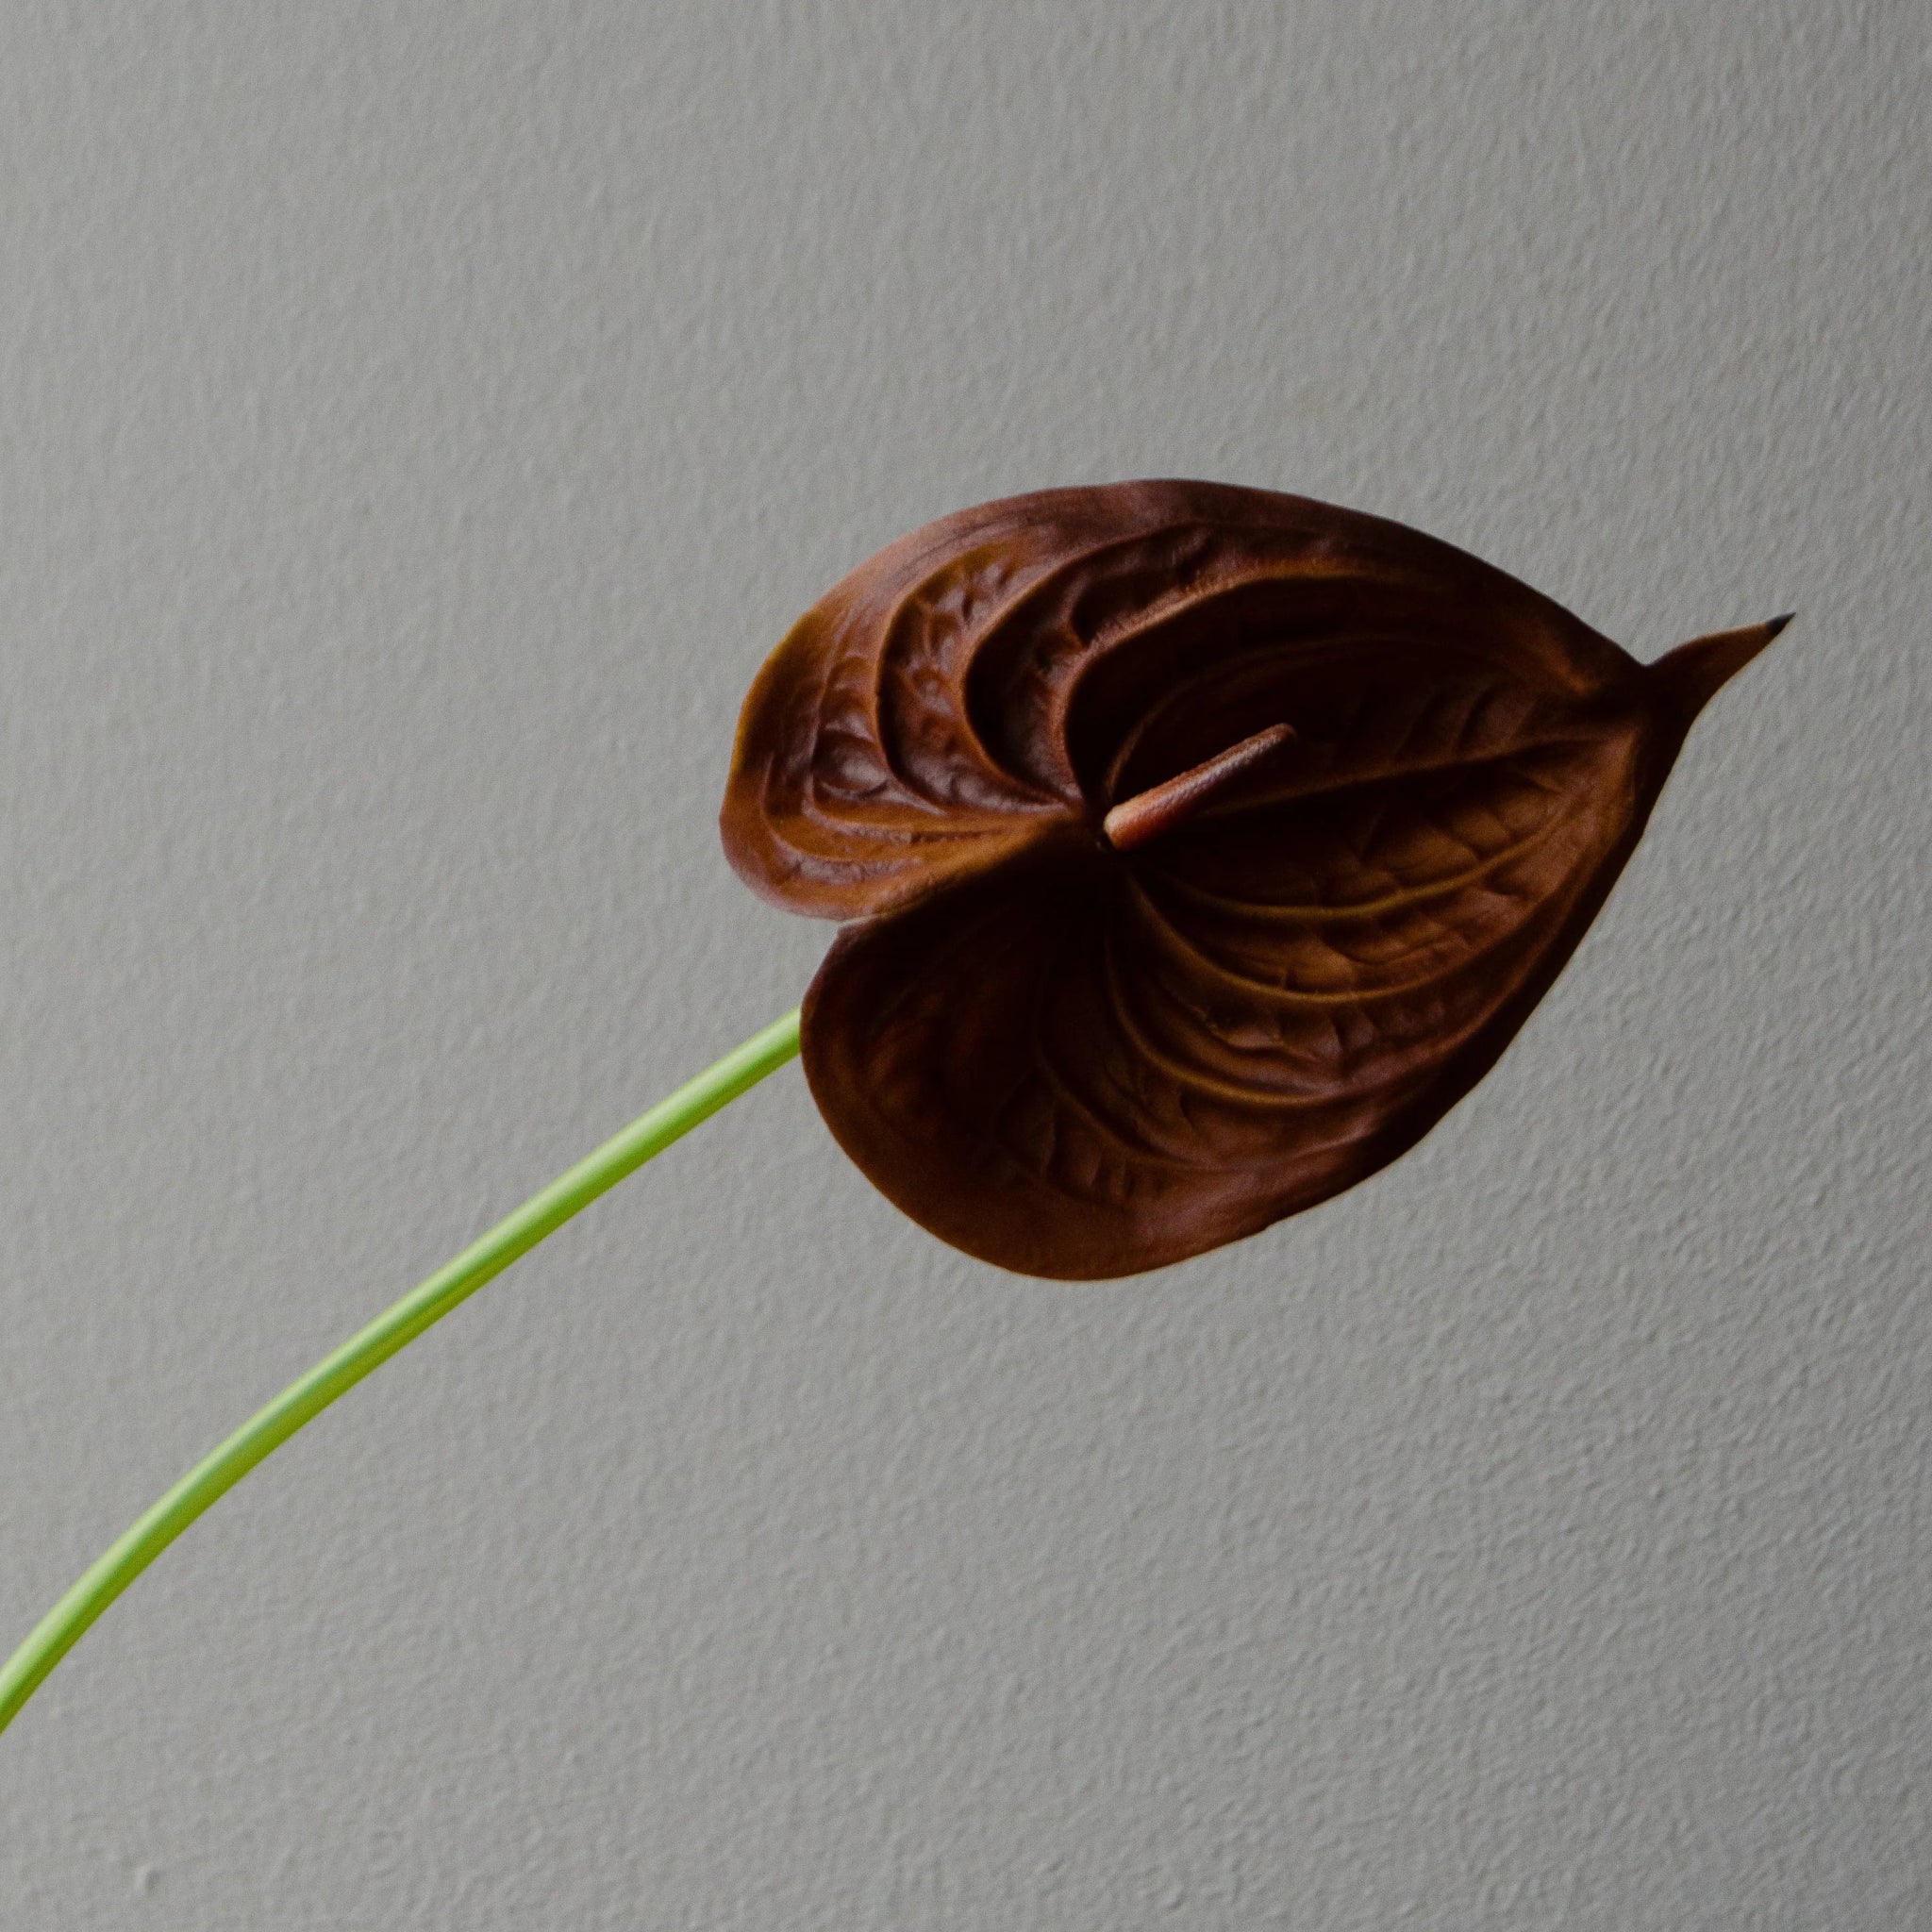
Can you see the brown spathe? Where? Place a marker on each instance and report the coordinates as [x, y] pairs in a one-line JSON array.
[[1201, 846]]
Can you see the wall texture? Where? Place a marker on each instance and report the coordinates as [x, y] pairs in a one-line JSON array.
[[416, 423]]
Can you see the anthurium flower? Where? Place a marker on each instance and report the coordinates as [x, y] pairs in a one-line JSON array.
[[1199, 846]]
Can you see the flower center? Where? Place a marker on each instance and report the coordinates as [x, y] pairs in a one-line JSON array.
[[1162, 807]]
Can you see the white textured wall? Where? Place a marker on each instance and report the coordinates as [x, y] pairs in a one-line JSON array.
[[416, 423]]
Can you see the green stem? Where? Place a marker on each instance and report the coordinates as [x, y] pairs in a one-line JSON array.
[[64, 1625]]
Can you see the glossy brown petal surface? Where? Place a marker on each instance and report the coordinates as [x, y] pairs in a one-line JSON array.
[[1202, 846]]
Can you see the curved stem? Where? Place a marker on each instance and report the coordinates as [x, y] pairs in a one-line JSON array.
[[212, 1479]]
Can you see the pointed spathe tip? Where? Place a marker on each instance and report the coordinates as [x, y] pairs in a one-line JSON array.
[[1692, 675]]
